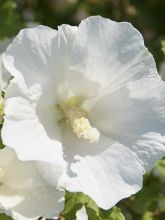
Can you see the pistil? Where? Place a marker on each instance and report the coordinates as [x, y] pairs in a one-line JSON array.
[[77, 118]]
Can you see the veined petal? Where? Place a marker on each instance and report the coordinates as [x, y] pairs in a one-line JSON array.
[[40, 55], [100, 170], [32, 57], [21, 57], [136, 118], [110, 54]]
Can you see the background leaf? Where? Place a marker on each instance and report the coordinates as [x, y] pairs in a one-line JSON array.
[[75, 201], [5, 217]]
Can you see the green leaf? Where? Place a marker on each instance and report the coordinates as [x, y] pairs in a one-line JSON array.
[[5, 217], [147, 198], [112, 214], [72, 204], [10, 19], [75, 201]]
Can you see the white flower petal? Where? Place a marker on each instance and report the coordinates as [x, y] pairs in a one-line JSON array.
[[16, 177], [23, 194], [4, 74], [21, 57], [23, 131], [100, 170], [135, 116], [109, 53], [75, 79], [50, 173], [103, 55], [39, 56], [6, 155], [31, 204], [81, 214]]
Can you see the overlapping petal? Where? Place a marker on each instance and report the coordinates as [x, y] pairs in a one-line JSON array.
[[136, 118], [23, 194], [109, 53], [23, 131], [99, 170]]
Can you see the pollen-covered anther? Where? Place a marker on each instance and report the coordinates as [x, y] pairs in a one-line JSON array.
[[83, 129]]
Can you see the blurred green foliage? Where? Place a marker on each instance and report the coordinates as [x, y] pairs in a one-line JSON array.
[[163, 47], [5, 217], [10, 20], [148, 16], [75, 201]]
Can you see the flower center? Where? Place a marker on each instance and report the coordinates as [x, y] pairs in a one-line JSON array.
[[76, 116]]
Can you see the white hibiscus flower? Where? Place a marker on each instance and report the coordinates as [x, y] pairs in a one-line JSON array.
[[23, 194], [91, 93]]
